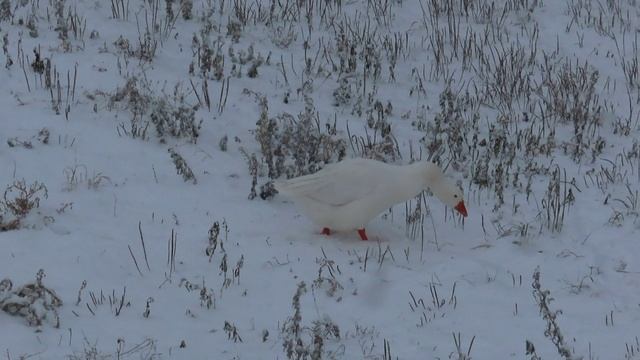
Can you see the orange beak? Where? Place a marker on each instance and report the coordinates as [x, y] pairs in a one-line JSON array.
[[461, 209]]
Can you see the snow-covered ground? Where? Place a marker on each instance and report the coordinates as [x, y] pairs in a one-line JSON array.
[[530, 105]]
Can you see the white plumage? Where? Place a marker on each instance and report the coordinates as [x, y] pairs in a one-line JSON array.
[[348, 194]]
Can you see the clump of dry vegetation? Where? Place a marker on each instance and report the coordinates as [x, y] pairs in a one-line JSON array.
[[145, 350], [33, 301], [303, 342], [552, 332], [182, 168], [19, 199], [41, 137], [293, 146], [170, 115]]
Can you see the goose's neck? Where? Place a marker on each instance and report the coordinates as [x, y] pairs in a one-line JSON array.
[[432, 175], [412, 179]]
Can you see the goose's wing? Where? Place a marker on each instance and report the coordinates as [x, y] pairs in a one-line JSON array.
[[336, 184]]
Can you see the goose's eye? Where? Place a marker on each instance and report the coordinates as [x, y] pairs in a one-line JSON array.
[[455, 196]]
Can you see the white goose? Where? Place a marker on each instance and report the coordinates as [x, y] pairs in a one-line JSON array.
[[346, 195]]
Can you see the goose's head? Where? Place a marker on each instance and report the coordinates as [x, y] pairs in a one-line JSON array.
[[450, 194]]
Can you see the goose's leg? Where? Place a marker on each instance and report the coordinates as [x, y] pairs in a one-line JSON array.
[[326, 231], [363, 234]]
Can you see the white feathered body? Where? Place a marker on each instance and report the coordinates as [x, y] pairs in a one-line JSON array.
[[347, 195]]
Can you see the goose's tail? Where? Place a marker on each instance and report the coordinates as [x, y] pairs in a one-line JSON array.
[[287, 187], [280, 186]]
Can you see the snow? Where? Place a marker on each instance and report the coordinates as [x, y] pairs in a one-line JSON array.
[[116, 187]]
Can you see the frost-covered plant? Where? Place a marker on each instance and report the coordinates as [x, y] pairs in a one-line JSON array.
[[147, 308], [42, 137], [207, 298], [342, 95], [448, 133], [5, 10], [169, 9], [187, 8], [146, 50], [605, 18], [77, 174], [38, 64], [558, 198], [244, 57], [89, 352], [214, 232], [543, 299], [182, 167], [145, 350], [330, 283], [207, 55], [5, 50], [253, 171], [20, 198], [223, 143], [133, 96], [176, 120], [62, 24], [292, 328], [283, 36], [232, 332], [33, 301], [234, 30], [253, 69], [32, 26], [170, 115], [569, 94], [147, 47], [381, 145], [267, 190], [346, 50], [122, 45], [631, 201], [632, 350], [294, 147], [8, 225], [301, 342]]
